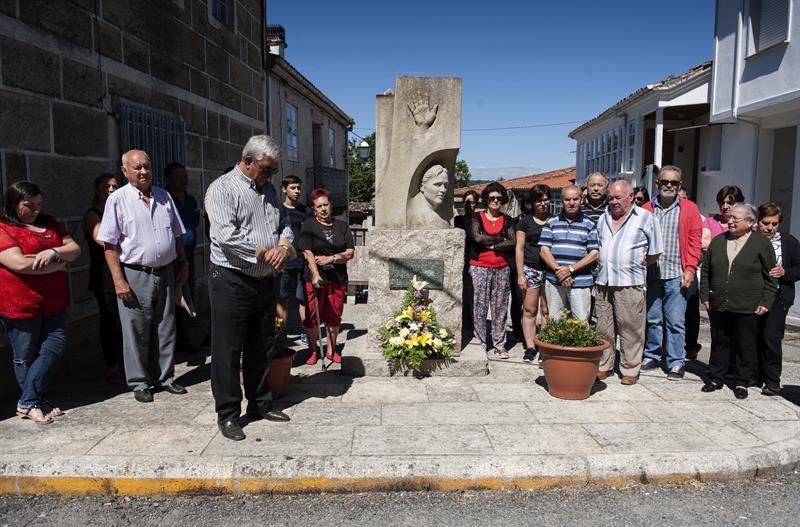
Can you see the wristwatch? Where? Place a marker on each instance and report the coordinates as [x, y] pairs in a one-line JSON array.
[[571, 270]]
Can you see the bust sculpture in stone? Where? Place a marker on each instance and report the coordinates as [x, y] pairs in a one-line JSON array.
[[426, 209]]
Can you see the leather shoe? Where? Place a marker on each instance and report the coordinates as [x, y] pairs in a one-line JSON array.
[[711, 386], [770, 391], [143, 395], [174, 388], [603, 375], [628, 380], [740, 392], [230, 429], [268, 413]]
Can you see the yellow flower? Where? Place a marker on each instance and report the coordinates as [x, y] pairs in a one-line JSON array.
[[424, 338], [407, 313], [411, 341], [425, 316]]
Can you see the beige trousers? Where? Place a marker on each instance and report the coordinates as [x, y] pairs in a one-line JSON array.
[[622, 311]]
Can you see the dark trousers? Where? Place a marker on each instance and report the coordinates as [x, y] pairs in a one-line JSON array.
[[732, 334], [516, 304], [693, 318], [770, 345], [110, 330], [242, 327]]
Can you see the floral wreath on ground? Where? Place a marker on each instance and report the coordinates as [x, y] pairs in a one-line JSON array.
[[414, 334]]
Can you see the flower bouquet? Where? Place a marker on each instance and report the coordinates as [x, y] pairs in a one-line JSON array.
[[414, 334]]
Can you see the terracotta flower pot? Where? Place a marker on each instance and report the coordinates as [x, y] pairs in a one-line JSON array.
[[278, 376], [570, 372]]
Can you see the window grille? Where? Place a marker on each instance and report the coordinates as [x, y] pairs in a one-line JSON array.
[[162, 136]]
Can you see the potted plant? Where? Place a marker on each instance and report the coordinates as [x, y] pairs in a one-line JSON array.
[[414, 334], [571, 351], [281, 366]]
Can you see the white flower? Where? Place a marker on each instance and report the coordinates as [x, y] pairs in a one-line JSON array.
[[437, 343], [396, 341], [404, 332], [443, 333], [413, 326], [419, 285]]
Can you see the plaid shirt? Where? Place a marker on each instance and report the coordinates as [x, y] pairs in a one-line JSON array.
[[669, 263]]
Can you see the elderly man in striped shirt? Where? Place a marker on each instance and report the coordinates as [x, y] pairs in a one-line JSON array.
[[630, 239], [251, 240], [568, 247]]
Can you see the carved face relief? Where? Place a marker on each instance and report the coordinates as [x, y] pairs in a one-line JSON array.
[[434, 186]]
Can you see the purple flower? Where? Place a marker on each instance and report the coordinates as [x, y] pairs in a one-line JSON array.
[[417, 294]]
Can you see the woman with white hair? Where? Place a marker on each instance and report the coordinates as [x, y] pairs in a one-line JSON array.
[[736, 286]]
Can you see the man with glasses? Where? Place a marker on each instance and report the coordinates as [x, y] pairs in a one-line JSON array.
[[568, 248], [669, 280], [251, 240]]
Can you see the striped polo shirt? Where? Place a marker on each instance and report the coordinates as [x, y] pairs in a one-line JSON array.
[[569, 242], [622, 261]]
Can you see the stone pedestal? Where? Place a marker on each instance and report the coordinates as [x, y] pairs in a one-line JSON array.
[[445, 245]]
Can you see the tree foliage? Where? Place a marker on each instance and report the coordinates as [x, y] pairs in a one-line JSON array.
[[462, 175], [361, 172]]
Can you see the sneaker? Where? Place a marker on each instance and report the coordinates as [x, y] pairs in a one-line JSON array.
[[530, 353], [675, 373], [649, 364], [303, 338]]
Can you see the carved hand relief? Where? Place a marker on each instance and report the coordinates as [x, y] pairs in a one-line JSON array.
[[421, 110], [425, 209]]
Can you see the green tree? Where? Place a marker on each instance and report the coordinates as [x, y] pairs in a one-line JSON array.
[[462, 175], [361, 172]]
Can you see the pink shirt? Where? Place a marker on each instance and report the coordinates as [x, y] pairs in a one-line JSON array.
[[713, 224]]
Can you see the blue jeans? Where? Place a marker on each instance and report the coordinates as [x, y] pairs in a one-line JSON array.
[[666, 306], [37, 345]]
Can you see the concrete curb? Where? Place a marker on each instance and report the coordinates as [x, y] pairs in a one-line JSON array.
[[93, 475]]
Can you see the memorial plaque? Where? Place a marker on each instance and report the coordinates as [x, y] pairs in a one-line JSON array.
[[401, 270]]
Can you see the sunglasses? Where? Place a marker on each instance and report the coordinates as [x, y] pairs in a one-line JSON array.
[[495, 198], [669, 182]]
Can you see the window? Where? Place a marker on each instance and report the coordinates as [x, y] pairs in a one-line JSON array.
[[291, 133], [162, 136], [631, 146], [222, 11], [331, 148], [768, 24], [604, 153]]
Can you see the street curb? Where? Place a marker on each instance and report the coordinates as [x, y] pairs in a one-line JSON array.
[[438, 473]]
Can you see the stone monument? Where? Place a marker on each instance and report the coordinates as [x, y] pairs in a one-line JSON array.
[[418, 135]]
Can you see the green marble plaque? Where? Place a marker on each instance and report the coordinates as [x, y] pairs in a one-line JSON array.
[[402, 269]]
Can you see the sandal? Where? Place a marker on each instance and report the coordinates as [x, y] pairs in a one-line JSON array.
[[35, 414], [49, 410]]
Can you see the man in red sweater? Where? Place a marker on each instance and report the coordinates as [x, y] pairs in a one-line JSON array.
[[669, 279]]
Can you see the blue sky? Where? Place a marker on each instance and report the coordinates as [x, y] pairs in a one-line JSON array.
[[522, 62]]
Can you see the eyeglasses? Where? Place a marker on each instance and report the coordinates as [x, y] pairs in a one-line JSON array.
[[669, 182], [734, 219], [495, 198]]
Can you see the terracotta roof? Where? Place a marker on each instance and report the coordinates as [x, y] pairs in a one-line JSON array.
[[554, 179], [662, 85]]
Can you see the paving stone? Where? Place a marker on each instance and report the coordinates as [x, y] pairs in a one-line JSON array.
[[490, 392], [772, 432], [325, 414], [541, 439], [550, 412], [617, 392], [445, 393], [728, 436], [382, 392], [686, 391], [684, 411], [430, 440], [648, 437], [155, 440], [456, 413], [768, 409], [26, 437], [266, 438]]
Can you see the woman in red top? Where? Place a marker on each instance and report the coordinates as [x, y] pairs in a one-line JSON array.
[[493, 242], [34, 249]]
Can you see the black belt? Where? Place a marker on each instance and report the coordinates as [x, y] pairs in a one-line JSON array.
[[146, 269]]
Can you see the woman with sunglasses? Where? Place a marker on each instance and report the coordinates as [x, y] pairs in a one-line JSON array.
[[492, 234], [772, 325]]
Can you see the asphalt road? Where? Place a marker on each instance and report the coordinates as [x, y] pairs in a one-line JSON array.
[[766, 501]]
